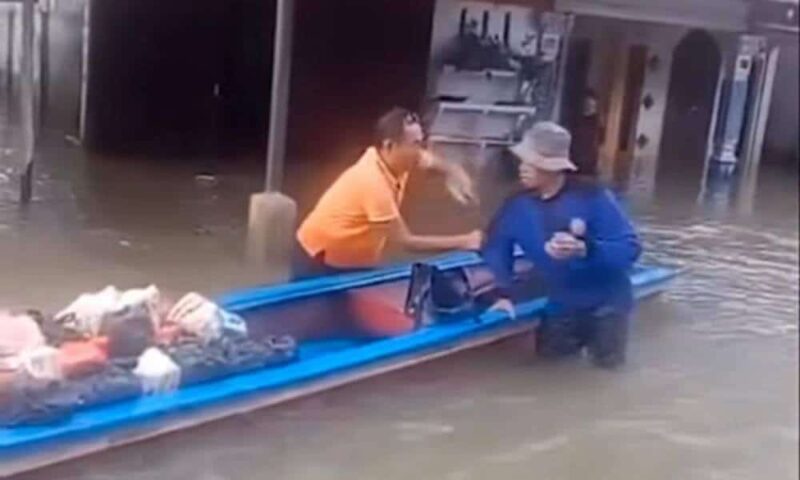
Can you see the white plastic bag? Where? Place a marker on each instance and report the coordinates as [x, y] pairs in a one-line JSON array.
[[149, 297], [18, 333], [24, 355], [197, 316], [85, 315], [41, 364], [157, 372], [233, 323]]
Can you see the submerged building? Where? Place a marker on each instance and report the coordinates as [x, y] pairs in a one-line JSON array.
[[678, 84]]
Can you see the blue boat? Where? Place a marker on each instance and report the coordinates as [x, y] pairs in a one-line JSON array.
[[323, 362]]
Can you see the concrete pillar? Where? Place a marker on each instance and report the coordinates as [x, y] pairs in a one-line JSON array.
[[279, 108], [561, 68], [270, 230], [44, 64], [11, 19], [273, 215], [28, 100], [735, 102], [759, 110], [719, 186], [84, 92]]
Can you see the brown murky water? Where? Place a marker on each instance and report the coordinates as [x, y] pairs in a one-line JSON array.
[[711, 390]]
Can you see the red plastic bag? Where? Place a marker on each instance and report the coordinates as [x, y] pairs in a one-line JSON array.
[[79, 359], [168, 334], [378, 317]]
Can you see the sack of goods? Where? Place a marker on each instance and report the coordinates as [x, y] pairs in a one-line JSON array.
[[204, 319]]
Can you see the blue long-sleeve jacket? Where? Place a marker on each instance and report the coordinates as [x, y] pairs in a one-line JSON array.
[[600, 278]]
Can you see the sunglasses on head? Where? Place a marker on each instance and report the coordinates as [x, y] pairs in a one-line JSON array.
[[411, 118]]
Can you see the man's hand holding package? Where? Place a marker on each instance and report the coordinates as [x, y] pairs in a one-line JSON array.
[[457, 181], [460, 186], [565, 246]]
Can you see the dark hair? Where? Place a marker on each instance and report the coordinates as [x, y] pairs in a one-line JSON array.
[[391, 126]]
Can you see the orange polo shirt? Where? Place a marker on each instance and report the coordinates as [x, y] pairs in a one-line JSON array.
[[350, 223]]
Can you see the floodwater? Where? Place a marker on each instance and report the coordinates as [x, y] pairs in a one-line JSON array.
[[710, 391]]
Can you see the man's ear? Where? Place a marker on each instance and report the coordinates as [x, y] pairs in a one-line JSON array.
[[387, 145]]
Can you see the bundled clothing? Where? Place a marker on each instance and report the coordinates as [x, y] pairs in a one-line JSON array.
[[32, 404], [228, 355], [29, 405], [113, 345]]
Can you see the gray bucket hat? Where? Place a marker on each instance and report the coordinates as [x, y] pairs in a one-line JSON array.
[[546, 146]]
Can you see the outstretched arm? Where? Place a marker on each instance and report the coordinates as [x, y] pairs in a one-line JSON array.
[[498, 250], [457, 180], [427, 243]]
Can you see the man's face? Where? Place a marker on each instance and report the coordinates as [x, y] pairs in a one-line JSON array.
[[407, 154], [534, 178]]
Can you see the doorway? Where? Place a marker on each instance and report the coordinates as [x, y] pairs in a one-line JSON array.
[[184, 78], [351, 61], [575, 80], [693, 83]]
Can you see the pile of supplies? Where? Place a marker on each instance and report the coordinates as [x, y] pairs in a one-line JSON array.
[[114, 345]]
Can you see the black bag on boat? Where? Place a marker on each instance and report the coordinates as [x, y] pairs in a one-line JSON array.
[[436, 295], [129, 331]]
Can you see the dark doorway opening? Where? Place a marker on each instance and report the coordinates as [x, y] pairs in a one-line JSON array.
[[179, 78], [191, 78], [693, 83], [354, 59], [575, 80]]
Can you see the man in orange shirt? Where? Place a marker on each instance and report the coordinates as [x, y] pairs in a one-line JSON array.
[[348, 228]]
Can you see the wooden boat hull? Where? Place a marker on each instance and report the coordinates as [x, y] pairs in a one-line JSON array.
[[324, 363]]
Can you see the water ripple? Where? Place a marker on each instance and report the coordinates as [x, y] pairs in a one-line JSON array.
[[741, 281]]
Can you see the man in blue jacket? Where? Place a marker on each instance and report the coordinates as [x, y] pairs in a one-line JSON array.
[[581, 244]]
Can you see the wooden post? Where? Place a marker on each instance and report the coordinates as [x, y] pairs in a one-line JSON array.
[[615, 108]]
